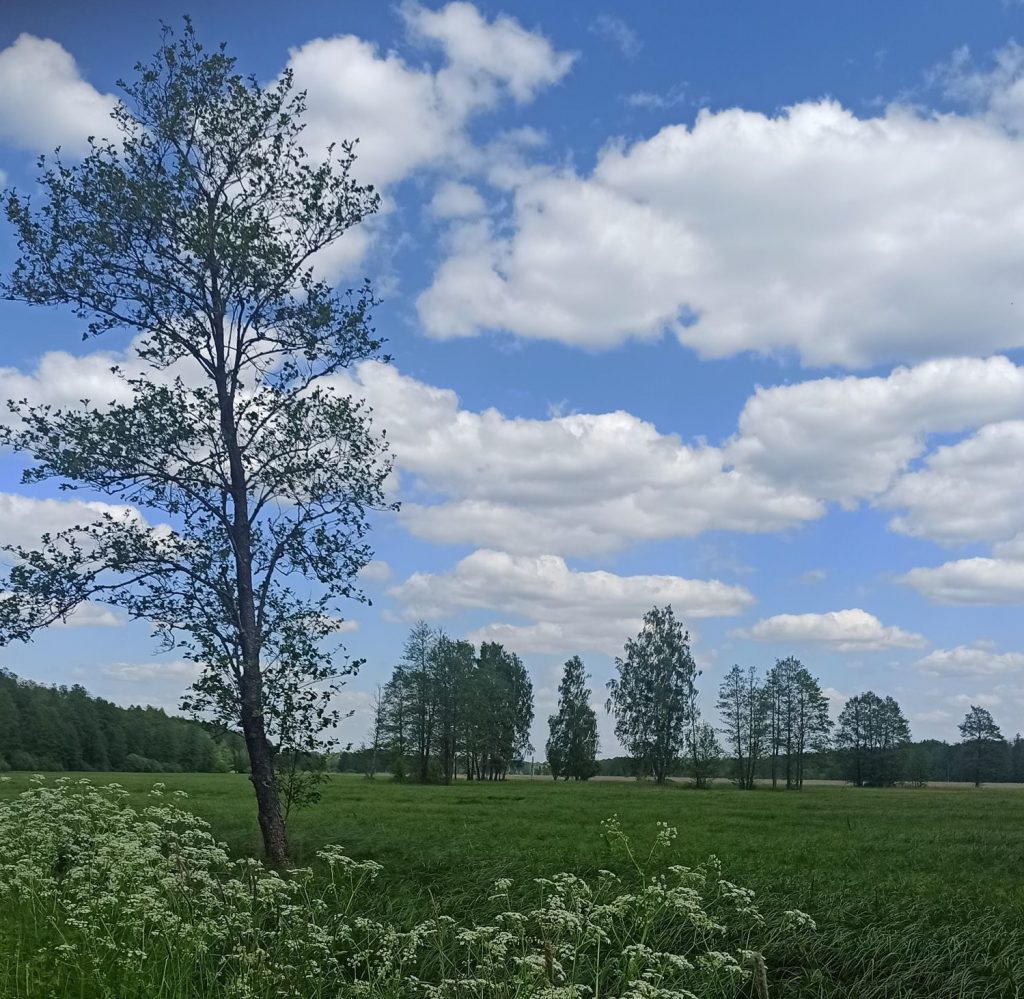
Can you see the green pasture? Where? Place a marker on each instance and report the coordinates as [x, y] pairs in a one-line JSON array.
[[915, 892]]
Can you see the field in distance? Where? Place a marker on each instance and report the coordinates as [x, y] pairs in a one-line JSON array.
[[916, 893]]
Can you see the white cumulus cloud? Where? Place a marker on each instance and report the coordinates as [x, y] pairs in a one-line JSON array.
[[409, 116], [46, 103], [573, 484], [852, 630], [969, 491], [564, 610], [24, 519], [979, 580], [375, 571], [850, 438], [848, 240], [970, 660]]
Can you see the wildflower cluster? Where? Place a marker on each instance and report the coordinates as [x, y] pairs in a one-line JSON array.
[[109, 900]]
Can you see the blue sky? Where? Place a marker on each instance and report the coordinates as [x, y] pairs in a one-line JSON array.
[[704, 303]]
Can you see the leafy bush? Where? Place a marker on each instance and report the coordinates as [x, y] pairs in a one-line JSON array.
[[100, 899]]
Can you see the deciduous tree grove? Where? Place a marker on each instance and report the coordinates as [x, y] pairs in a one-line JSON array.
[[448, 707], [743, 707], [872, 736]]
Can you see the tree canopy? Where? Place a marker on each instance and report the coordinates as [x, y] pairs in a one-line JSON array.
[[448, 706]]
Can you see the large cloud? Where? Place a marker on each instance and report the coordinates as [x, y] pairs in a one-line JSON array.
[[848, 438], [565, 610], [853, 630], [45, 102], [969, 491], [575, 484], [587, 483], [849, 240], [406, 116]]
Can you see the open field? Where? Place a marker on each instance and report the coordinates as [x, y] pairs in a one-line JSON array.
[[915, 892]]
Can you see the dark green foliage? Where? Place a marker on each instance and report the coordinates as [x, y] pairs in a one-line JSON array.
[[63, 728], [873, 736], [798, 721], [448, 708], [984, 743], [703, 753], [452, 666], [502, 713], [572, 743], [1015, 760]]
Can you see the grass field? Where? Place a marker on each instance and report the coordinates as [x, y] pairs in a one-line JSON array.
[[915, 892]]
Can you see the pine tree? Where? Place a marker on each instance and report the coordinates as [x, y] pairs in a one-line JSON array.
[[981, 736]]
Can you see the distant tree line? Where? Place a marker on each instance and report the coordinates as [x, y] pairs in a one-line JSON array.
[[920, 763], [776, 727], [453, 711], [450, 710], [779, 729], [63, 728]]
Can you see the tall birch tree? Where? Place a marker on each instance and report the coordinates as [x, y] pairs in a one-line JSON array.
[[652, 697], [195, 230]]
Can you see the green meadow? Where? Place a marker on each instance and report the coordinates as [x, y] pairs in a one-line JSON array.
[[915, 892]]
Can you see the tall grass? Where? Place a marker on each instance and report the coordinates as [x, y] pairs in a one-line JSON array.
[[102, 899], [916, 893]]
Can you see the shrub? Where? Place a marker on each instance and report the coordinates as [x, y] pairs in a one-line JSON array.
[[20, 760]]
